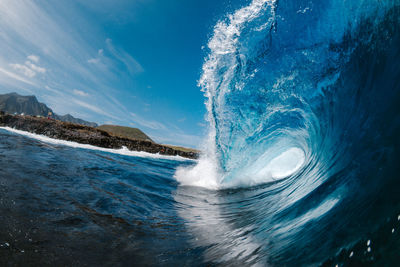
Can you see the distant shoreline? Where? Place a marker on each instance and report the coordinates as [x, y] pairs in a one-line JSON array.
[[88, 135]]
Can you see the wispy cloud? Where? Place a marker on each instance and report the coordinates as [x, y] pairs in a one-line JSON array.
[[97, 59], [93, 60], [14, 76], [33, 58], [130, 63], [179, 139], [147, 123], [29, 29], [45, 53], [93, 108], [29, 69], [24, 70], [80, 93], [34, 67], [48, 88]]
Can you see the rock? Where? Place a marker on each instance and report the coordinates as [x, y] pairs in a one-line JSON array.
[[85, 135]]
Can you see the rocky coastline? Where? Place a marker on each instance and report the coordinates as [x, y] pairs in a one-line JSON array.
[[85, 135]]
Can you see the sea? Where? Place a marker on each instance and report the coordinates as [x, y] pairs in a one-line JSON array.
[[300, 165]]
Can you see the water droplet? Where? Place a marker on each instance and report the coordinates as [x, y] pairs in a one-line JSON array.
[[351, 254], [369, 249], [392, 230], [368, 243]]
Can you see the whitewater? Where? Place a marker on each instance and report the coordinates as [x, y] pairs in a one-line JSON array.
[[301, 100], [123, 151]]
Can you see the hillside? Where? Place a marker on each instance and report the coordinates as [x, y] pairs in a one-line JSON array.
[[86, 135], [14, 103], [29, 105], [127, 132]]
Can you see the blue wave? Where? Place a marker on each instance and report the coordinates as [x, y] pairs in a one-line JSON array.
[[303, 103], [303, 107], [273, 72]]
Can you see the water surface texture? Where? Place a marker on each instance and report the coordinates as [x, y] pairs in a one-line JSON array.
[[300, 166]]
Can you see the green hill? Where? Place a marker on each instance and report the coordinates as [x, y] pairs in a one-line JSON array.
[[127, 132]]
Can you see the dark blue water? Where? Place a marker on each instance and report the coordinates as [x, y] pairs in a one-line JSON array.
[[301, 166]]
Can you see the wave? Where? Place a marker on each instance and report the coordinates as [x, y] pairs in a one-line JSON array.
[[302, 152], [123, 151], [272, 71]]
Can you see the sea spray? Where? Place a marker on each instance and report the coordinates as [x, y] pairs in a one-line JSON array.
[[268, 72]]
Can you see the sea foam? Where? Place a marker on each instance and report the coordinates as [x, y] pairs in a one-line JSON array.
[[123, 151]]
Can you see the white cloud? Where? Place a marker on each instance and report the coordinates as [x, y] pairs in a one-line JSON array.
[[24, 70], [93, 60], [34, 67], [79, 92], [29, 69], [173, 138], [93, 108], [35, 40], [96, 60], [147, 123], [51, 89], [15, 76], [130, 63], [34, 58]]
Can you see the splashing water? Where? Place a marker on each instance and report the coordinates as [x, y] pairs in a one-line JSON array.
[[271, 67], [300, 167], [302, 101]]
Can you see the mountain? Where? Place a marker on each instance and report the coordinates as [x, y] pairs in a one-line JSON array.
[[70, 118], [127, 132], [15, 103], [29, 105]]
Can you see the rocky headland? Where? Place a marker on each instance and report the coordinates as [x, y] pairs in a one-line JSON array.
[[86, 135], [14, 103]]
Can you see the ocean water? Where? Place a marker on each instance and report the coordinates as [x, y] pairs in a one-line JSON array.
[[300, 167]]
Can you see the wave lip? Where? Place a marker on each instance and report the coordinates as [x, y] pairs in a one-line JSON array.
[[271, 66], [304, 125]]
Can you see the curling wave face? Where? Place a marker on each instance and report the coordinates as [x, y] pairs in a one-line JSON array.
[[303, 106], [302, 100], [271, 68]]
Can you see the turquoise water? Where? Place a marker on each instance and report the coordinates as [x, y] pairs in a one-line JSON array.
[[300, 166]]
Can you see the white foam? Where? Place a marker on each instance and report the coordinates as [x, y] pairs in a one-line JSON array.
[[275, 164], [285, 164], [203, 174], [223, 46], [123, 151]]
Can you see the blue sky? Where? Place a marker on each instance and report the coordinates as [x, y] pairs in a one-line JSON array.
[[126, 62]]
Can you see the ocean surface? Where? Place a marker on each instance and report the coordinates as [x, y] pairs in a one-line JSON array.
[[300, 167]]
